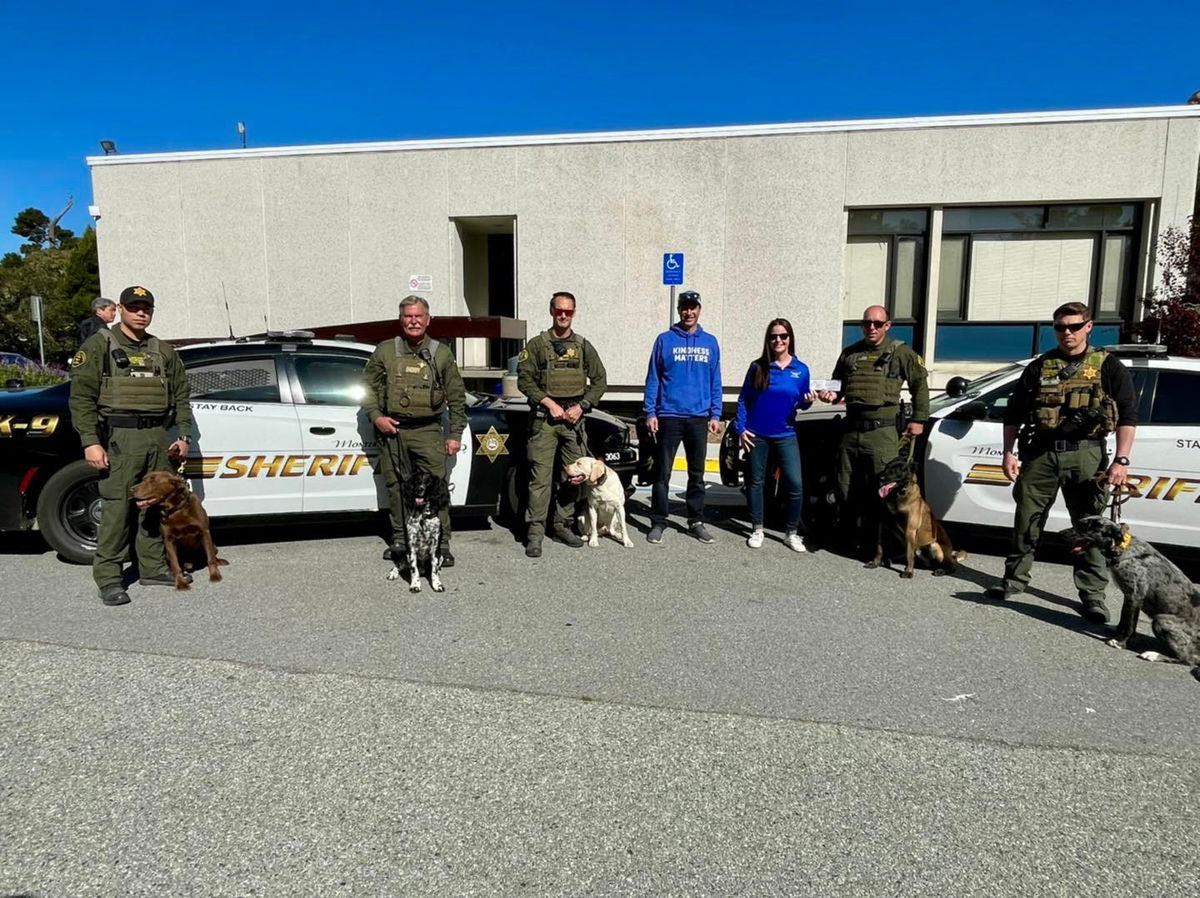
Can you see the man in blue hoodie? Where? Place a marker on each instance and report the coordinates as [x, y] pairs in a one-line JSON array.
[[683, 403]]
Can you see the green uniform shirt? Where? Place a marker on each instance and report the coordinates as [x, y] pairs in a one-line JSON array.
[[88, 366], [905, 366], [384, 358], [531, 369]]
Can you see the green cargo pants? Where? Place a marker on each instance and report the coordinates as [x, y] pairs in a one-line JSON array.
[[132, 453], [861, 456], [419, 447], [1037, 486], [546, 439]]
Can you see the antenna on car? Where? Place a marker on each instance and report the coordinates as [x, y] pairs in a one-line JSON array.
[[228, 317]]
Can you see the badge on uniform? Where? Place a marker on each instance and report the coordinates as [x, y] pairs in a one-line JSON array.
[[78, 359], [492, 443]]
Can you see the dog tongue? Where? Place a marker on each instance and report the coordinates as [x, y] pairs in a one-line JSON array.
[[886, 489]]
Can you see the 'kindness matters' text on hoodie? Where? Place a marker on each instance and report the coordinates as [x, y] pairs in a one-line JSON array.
[[683, 379]]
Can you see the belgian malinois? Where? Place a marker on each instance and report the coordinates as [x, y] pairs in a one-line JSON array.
[[900, 495]]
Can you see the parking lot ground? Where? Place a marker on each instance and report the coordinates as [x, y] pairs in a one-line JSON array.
[[675, 719]]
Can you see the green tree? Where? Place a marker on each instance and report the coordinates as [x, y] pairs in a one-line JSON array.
[[34, 225], [67, 279], [1173, 308]]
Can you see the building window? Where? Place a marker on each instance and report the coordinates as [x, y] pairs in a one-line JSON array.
[[1005, 269], [885, 265]]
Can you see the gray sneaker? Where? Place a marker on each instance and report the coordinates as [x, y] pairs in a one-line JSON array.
[[701, 533], [656, 534]]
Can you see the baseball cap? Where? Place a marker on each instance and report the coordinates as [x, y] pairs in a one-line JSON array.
[[688, 298], [137, 294]]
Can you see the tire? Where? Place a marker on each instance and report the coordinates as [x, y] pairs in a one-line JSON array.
[[68, 512]]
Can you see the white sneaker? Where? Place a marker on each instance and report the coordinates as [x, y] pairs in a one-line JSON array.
[[755, 540], [794, 542]]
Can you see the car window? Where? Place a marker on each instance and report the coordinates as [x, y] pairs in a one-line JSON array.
[[1175, 398], [235, 380], [330, 379], [977, 387]]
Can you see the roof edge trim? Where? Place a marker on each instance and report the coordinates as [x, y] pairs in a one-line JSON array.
[[585, 137]]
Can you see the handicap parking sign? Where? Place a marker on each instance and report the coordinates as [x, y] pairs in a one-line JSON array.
[[672, 268]]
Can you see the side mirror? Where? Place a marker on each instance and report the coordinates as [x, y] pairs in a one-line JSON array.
[[975, 410], [956, 387]]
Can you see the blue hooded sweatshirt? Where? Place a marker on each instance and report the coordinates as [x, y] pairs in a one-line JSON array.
[[683, 378], [772, 412]]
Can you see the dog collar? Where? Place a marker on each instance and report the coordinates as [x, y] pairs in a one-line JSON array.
[[603, 477], [1124, 544]]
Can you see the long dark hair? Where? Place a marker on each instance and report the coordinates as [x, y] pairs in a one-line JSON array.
[[762, 365]]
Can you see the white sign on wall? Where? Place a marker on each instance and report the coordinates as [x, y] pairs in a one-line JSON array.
[[420, 283]]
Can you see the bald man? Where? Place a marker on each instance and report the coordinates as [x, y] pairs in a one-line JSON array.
[[872, 372]]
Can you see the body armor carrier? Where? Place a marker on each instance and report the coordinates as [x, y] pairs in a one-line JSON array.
[[871, 381], [1071, 400], [564, 374], [415, 388], [133, 382]]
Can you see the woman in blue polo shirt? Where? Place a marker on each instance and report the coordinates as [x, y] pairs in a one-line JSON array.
[[776, 386]]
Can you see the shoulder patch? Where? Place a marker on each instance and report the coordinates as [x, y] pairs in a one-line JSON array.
[[920, 359], [78, 359], [523, 355]]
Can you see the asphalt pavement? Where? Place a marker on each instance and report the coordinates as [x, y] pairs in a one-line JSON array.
[[678, 720]]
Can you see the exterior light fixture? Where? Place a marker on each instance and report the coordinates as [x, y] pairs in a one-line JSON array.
[[109, 147]]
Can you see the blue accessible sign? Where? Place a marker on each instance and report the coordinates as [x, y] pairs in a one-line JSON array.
[[672, 268]]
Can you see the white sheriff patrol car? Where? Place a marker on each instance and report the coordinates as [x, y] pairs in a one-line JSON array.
[[279, 432], [964, 482]]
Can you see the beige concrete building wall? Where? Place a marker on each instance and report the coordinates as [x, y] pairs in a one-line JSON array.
[[310, 236]]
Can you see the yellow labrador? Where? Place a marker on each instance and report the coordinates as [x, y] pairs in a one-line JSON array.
[[605, 501]]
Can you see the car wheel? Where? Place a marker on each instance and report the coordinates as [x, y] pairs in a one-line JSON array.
[[68, 512]]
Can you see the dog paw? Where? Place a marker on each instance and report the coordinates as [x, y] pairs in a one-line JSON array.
[[1113, 643], [181, 585], [437, 587], [1150, 656], [593, 543], [214, 576], [871, 565], [394, 574], [906, 575], [416, 588], [628, 544]]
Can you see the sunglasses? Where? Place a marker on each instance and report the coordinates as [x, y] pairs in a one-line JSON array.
[[569, 313], [870, 322], [776, 337], [1061, 328]]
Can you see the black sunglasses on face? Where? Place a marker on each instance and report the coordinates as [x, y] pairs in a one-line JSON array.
[[1061, 328], [870, 322], [570, 313], [774, 337]]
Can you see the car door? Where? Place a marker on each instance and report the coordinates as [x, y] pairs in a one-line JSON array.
[[964, 482], [1165, 461], [247, 433], [340, 445]]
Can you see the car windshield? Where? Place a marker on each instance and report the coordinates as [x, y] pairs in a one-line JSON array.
[[975, 388]]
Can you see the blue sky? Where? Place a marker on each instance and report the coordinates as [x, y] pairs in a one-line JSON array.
[[173, 76]]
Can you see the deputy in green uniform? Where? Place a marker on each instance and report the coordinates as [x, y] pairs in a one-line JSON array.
[[411, 381], [872, 372], [1065, 404], [561, 374], [127, 389]]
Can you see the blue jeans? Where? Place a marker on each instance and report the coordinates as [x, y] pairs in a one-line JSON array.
[[787, 455], [693, 433]]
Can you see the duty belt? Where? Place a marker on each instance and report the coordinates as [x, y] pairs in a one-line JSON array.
[[1048, 445], [141, 422], [411, 423], [540, 411], [864, 424]]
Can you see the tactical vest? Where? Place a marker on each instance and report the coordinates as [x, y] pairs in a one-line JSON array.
[[137, 387], [564, 375], [872, 378], [1073, 391], [415, 388]]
